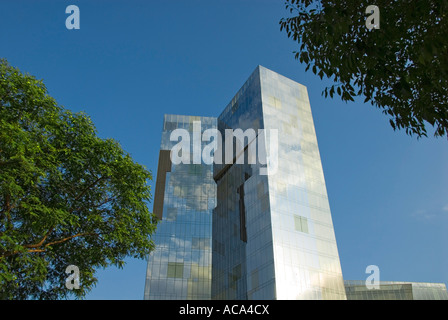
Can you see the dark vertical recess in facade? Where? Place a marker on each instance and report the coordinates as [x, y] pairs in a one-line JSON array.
[[243, 233], [163, 167]]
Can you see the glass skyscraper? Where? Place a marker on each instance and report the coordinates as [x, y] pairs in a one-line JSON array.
[[255, 223], [273, 234]]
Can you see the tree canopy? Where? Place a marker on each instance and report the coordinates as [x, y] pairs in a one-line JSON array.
[[67, 197], [401, 68]]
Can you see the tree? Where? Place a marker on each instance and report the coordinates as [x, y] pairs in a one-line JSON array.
[[67, 197], [401, 68]]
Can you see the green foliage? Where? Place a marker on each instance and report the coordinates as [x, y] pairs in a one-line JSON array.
[[67, 197], [401, 68]]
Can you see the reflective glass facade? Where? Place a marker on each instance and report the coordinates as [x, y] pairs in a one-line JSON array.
[[393, 290], [306, 258], [243, 261], [252, 229], [273, 234], [180, 266]]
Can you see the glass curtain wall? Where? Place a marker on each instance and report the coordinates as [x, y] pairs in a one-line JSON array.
[[307, 264], [273, 235], [180, 266]]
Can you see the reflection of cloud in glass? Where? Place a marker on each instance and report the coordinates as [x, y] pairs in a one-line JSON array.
[[182, 259]]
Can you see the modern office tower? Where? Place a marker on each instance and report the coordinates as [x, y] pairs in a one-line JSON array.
[[255, 222], [262, 206], [180, 266], [273, 234], [394, 290]]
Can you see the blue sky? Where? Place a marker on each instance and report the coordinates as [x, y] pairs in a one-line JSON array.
[[132, 61]]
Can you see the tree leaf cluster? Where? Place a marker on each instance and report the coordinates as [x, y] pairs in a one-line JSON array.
[[401, 68], [67, 197]]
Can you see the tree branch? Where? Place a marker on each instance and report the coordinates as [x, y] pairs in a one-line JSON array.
[[41, 242], [94, 206], [7, 209], [5, 163], [89, 187], [34, 246], [71, 237]]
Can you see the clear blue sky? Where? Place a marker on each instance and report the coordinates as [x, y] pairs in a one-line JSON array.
[[132, 61]]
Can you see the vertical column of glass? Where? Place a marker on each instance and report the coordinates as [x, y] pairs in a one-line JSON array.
[[180, 266], [306, 258], [243, 266]]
